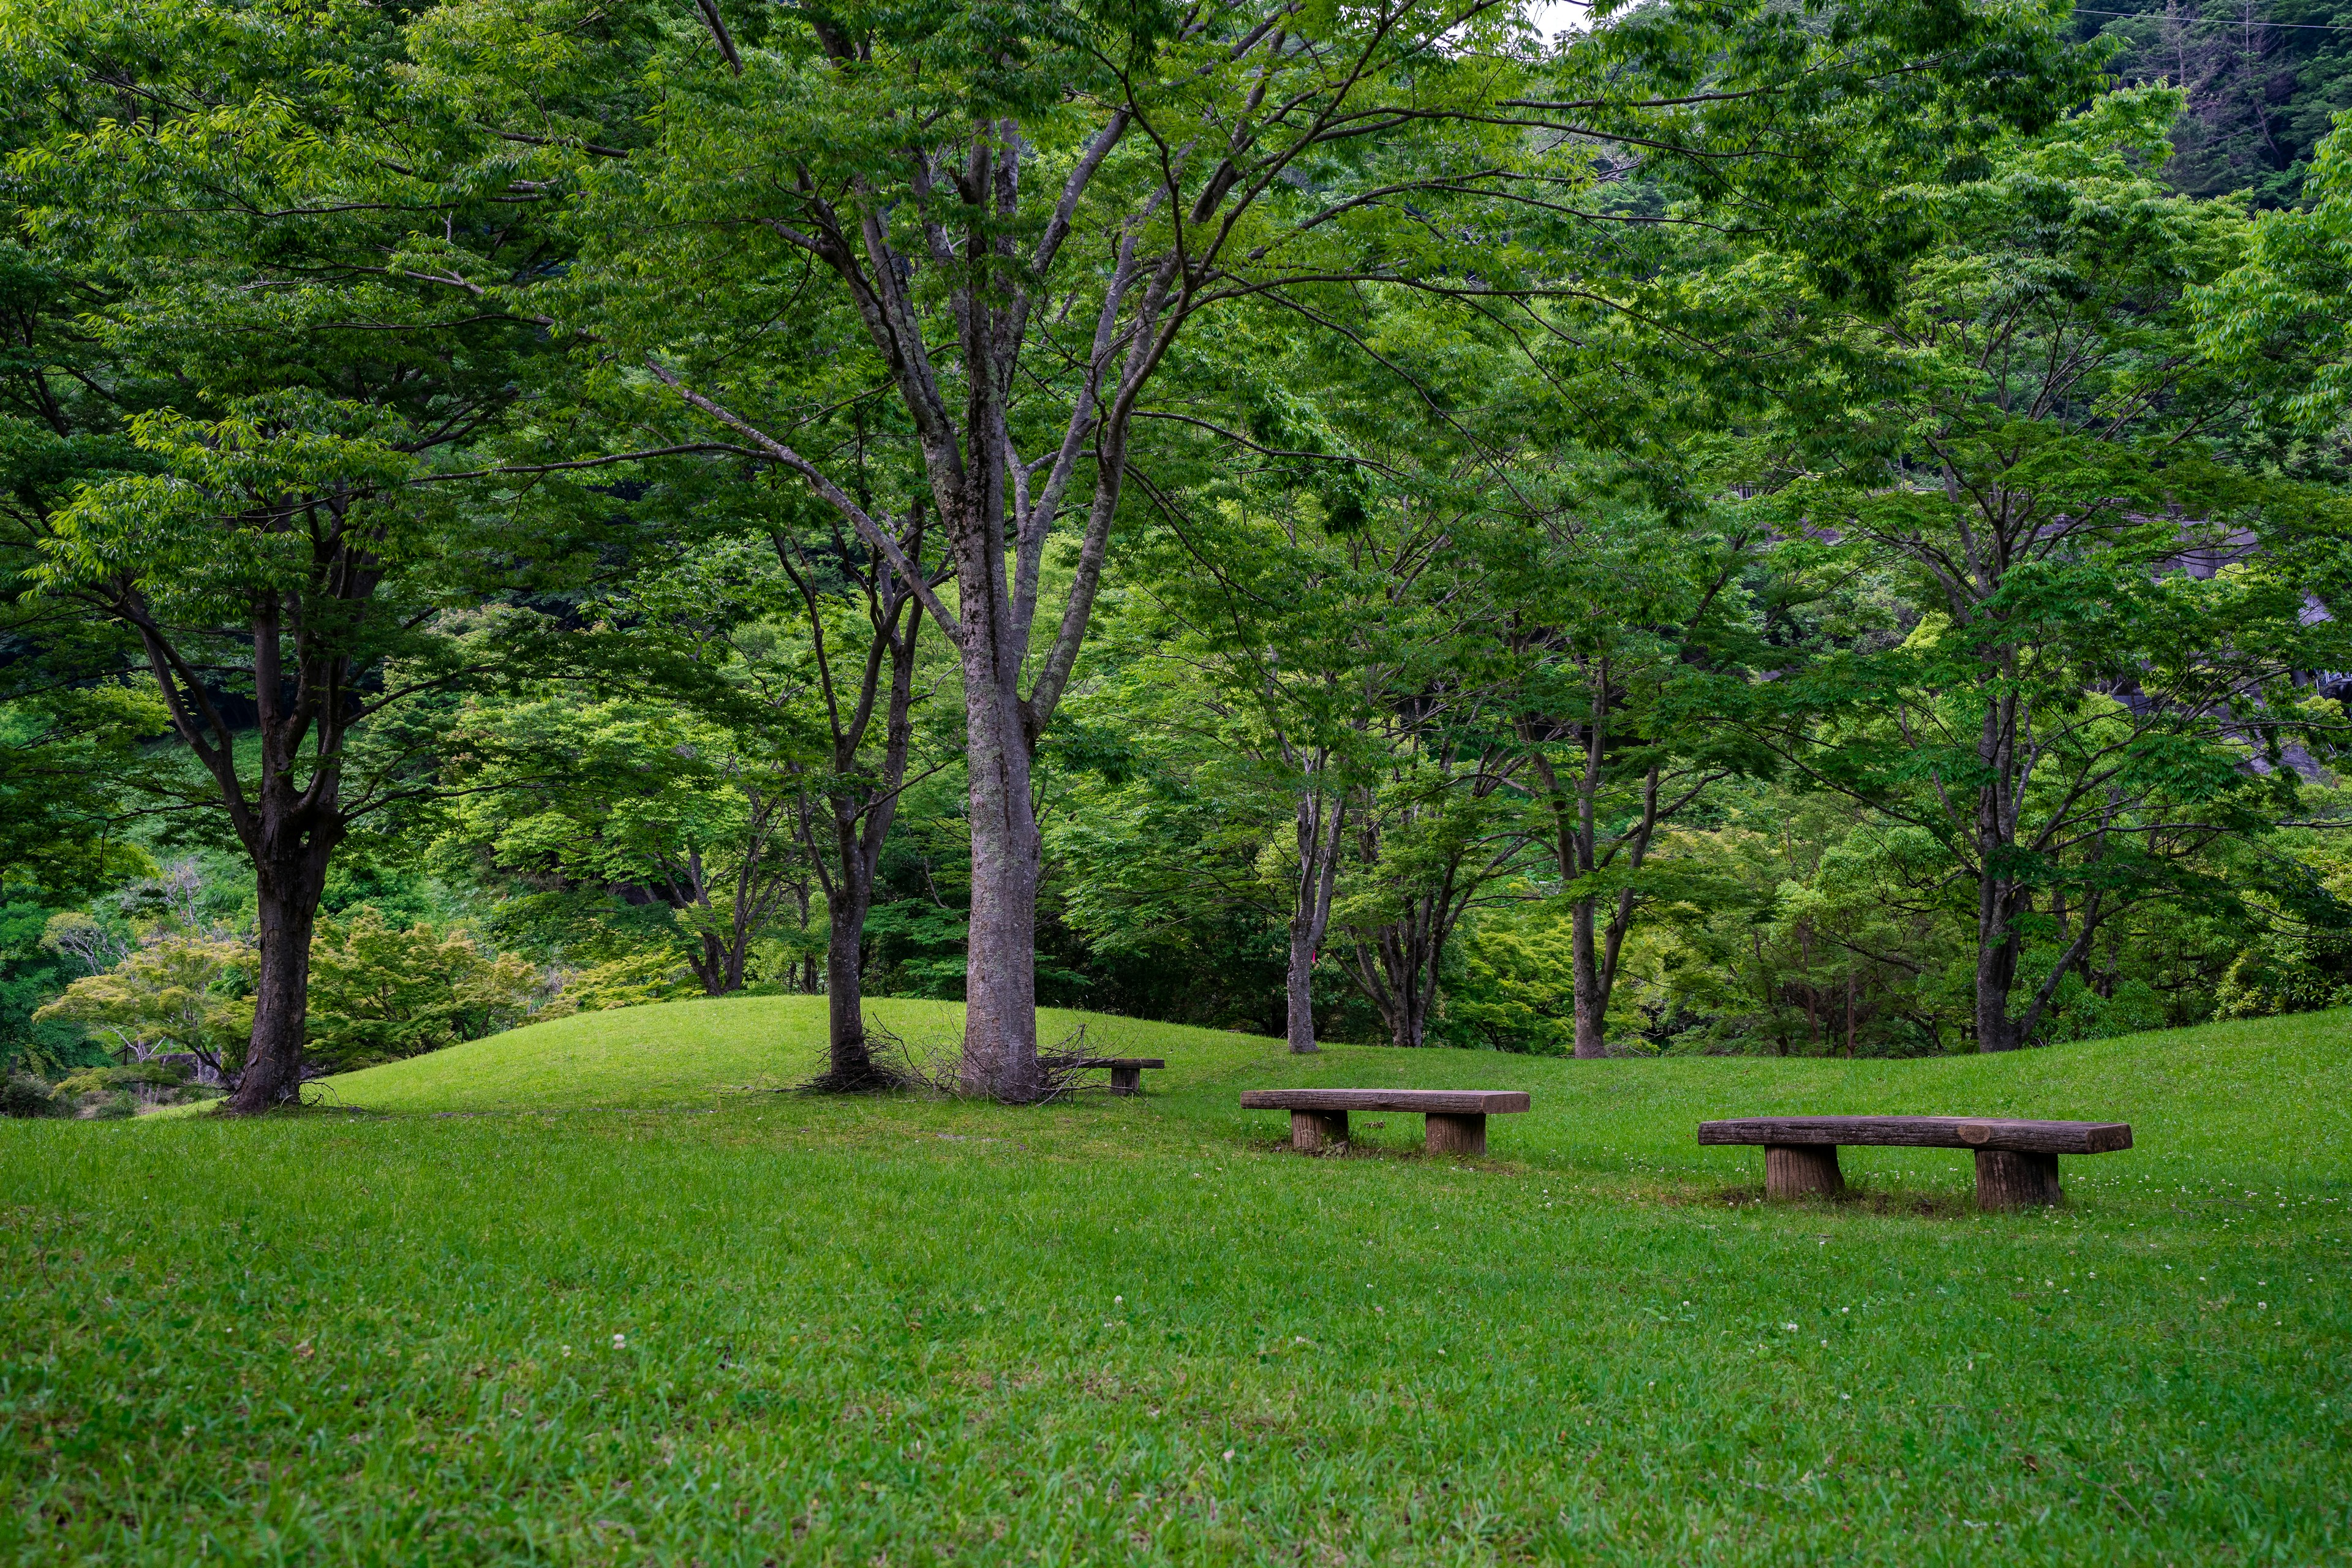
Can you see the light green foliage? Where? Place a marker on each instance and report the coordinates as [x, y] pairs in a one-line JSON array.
[[2280, 316], [1517, 991], [111, 1093], [69, 765], [842, 1324], [379, 992], [177, 990], [641, 792], [630, 979], [2299, 956]]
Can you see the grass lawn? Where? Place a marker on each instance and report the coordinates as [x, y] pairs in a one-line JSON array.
[[594, 1292]]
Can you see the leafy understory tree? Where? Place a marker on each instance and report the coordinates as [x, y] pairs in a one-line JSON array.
[[641, 798], [1612, 612], [815, 641], [178, 991], [2103, 685]]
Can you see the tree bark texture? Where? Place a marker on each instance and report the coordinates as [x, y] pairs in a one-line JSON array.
[[1801, 1171], [1000, 1054], [287, 890], [1313, 1131]]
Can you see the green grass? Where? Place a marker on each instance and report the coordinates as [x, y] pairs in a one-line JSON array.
[[903, 1332]]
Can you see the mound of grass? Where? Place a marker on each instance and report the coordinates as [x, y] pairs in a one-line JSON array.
[[787, 1330], [693, 1054]]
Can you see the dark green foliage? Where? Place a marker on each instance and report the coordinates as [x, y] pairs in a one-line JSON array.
[[2260, 85], [23, 1095]]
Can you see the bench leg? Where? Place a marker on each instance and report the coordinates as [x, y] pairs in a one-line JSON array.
[[1312, 1132], [1127, 1080], [2011, 1181], [1450, 1134], [1801, 1171]]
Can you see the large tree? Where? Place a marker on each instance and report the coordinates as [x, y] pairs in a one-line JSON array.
[[989, 226]]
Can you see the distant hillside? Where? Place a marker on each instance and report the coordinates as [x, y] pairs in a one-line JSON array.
[[2263, 82]]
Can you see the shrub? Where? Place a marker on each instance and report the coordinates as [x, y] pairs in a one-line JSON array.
[[130, 1074], [23, 1095], [379, 993], [630, 982]]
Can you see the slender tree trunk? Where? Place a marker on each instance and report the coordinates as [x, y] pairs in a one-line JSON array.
[[1318, 865], [1849, 1010], [286, 888], [1997, 947], [1299, 986], [861, 811], [1592, 1004], [1805, 956], [1999, 900]]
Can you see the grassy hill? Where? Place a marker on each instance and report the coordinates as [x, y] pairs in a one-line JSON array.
[[2264, 1096], [600, 1291]]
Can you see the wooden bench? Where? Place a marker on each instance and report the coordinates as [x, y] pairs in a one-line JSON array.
[[2017, 1162], [1458, 1117], [1126, 1072]]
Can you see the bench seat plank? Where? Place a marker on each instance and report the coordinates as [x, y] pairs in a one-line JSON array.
[[1987, 1132], [1425, 1102]]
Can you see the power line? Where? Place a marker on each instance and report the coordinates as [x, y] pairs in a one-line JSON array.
[[2216, 21]]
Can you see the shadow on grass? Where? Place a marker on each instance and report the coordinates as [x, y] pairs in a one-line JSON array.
[[1389, 1153], [1853, 1200]]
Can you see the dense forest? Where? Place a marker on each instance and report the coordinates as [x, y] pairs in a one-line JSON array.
[[1737, 528]]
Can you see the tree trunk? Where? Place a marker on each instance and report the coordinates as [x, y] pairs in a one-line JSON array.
[[1319, 866], [1300, 995], [287, 891], [1000, 1030], [862, 806], [1592, 1004], [850, 1057], [1999, 900], [712, 967], [1998, 949], [1805, 956]]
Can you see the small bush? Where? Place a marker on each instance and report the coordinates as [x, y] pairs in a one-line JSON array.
[[23, 1095]]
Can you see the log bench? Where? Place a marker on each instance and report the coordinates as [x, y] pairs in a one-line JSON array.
[[1126, 1072], [1456, 1117], [2017, 1162]]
